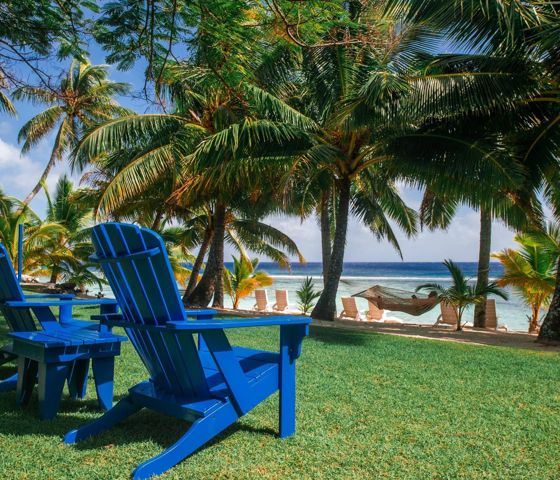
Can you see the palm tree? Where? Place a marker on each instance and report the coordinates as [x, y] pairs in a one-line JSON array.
[[57, 247], [195, 213], [530, 271], [492, 126], [524, 33], [244, 279], [68, 252], [82, 99], [211, 125], [461, 293], [244, 231], [367, 104], [38, 234]]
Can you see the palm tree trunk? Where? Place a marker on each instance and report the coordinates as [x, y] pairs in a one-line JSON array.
[[219, 290], [198, 263], [326, 305], [550, 329], [204, 291], [325, 234], [534, 322], [483, 264], [157, 220], [52, 161]]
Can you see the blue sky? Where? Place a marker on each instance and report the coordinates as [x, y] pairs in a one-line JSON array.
[[19, 173]]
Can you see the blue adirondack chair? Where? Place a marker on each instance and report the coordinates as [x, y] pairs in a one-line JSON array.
[[51, 350], [211, 386]]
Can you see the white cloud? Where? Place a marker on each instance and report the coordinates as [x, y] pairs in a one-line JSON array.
[[16, 170], [20, 173]]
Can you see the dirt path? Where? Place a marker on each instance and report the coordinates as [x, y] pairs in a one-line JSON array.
[[474, 336]]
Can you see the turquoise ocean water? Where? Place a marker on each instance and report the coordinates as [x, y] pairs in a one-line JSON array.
[[404, 275]]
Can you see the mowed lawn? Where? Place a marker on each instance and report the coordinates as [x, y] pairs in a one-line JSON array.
[[369, 406]]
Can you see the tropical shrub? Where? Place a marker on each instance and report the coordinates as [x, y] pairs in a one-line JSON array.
[[307, 295], [461, 294], [244, 279], [531, 272]]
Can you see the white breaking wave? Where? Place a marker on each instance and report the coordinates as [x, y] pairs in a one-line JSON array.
[[386, 278]]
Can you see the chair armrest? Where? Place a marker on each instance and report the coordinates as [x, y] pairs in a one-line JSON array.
[[60, 296], [239, 323], [59, 303], [117, 320]]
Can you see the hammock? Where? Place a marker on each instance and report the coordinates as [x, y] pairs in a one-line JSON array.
[[386, 298]]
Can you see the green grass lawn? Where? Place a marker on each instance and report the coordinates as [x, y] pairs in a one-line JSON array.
[[369, 406]]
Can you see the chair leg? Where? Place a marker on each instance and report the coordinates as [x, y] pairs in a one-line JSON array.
[[123, 409], [51, 382], [78, 378], [26, 379], [9, 384], [200, 432], [103, 373], [287, 425]]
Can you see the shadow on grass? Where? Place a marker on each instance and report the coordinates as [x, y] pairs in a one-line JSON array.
[[18, 420], [335, 336], [141, 427], [160, 429]]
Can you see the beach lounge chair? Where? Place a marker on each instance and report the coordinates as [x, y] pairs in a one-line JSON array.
[[374, 313], [54, 350], [349, 309], [448, 315], [492, 317], [261, 298], [281, 304], [210, 386]]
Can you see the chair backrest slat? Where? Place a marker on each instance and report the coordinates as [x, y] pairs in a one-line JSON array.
[[19, 320], [261, 298], [349, 305], [491, 316], [136, 265], [281, 299], [448, 314], [375, 313]]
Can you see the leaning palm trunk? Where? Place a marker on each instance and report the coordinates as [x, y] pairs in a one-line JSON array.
[[204, 291], [198, 264], [52, 161], [325, 234], [326, 305], [550, 329], [483, 264]]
